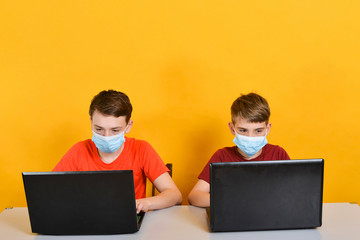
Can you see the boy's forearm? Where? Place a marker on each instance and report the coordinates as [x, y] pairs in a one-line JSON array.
[[199, 198], [167, 198]]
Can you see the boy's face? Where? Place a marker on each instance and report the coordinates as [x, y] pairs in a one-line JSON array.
[[249, 129], [109, 125]]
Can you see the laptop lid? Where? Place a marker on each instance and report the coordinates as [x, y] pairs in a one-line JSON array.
[[265, 195], [86, 202]]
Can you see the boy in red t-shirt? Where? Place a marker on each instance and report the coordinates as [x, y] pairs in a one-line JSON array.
[[250, 124], [109, 149]]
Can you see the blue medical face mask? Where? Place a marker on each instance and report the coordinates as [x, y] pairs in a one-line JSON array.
[[249, 145], [108, 144]]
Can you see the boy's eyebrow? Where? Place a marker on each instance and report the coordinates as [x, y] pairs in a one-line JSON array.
[[97, 126]]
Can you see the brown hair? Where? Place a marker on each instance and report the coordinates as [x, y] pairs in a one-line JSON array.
[[251, 107], [111, 103]]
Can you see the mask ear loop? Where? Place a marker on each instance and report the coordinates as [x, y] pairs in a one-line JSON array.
[[236, 133], [266, 130], [125, 128]]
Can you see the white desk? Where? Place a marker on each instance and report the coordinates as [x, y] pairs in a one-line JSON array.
[[340, 221]]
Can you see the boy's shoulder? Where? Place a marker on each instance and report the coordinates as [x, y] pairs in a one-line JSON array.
[[84, 145], [272, 147], [226, 154], [226, 150], [274, 152], [136, 142], [137, 145]]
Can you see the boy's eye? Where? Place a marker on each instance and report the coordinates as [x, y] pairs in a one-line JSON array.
[[98, 129], [243, 130], [115, 131]]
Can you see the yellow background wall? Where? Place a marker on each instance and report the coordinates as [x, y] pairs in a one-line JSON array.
[[182, 63]]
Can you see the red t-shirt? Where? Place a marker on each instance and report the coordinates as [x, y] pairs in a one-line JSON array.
[[137, 155], [231, 154]]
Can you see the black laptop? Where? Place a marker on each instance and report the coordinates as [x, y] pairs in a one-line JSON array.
[[86, 203], [266, 195]]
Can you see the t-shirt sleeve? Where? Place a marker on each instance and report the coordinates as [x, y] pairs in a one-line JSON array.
[[153, 165], [205, 174], [68, 161]]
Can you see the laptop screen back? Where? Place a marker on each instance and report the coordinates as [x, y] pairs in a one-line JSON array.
[[71, 203], [266, 195]]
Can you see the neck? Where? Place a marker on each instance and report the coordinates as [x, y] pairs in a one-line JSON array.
[[110, 157]]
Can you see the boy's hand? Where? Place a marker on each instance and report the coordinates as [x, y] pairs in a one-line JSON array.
[[142, 204]]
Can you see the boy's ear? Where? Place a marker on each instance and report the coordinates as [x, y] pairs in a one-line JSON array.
[[268, 127], [129, 125], [231, 127]]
